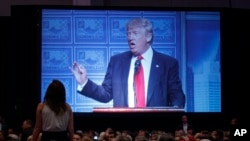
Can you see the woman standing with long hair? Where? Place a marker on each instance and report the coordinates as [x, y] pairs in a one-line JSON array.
[[54, 117]]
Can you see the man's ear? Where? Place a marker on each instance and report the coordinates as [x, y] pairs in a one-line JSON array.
[[149, 37]]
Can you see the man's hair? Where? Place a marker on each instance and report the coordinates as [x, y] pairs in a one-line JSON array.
[[142, 22]]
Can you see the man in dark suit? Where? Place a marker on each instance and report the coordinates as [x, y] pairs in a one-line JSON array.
[[185, 125], [161, 73]]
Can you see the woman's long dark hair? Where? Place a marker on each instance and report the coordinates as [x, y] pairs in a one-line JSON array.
[[55, 97]]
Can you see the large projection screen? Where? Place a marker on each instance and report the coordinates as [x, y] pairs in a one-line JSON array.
[[92, 35]]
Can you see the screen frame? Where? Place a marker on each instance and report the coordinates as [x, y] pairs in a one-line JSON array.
[[192, 9], [25, 40]]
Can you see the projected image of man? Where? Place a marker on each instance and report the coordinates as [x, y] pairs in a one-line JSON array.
[[140, 77]]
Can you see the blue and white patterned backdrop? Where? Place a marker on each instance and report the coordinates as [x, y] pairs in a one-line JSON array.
[[91, 37]]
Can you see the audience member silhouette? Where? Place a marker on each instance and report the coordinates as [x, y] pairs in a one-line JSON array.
[[27, 129], [54, 117], [185, 125]]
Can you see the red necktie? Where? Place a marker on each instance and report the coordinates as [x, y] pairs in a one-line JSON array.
[[139, 83]]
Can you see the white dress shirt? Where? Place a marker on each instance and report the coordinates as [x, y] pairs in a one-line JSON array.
[[146, 64]]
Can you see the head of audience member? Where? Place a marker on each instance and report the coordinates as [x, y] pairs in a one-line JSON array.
[[190, 131], [141, 138], [112, 135], [10, 131], [139, 35], [205, 135], [77, 137], [86, 138], [166, 137], [154, 135], [27, 124], [184, 119], [91, 134], [218, 135], [109, 129], [234, 121], [143, 132], [125, 132], [55, 97], [123, 138], [178, 133], [103, 137]]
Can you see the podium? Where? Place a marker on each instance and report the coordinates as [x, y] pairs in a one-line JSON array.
[[136, 110]]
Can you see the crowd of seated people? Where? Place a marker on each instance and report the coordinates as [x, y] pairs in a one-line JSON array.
[[110, 134], [126, 135], [155, 135]]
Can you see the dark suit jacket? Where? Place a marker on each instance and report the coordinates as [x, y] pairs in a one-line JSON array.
[[181, 126], [164, 88]]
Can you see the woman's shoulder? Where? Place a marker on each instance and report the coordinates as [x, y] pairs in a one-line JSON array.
[[68, 107], [40, 106]]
